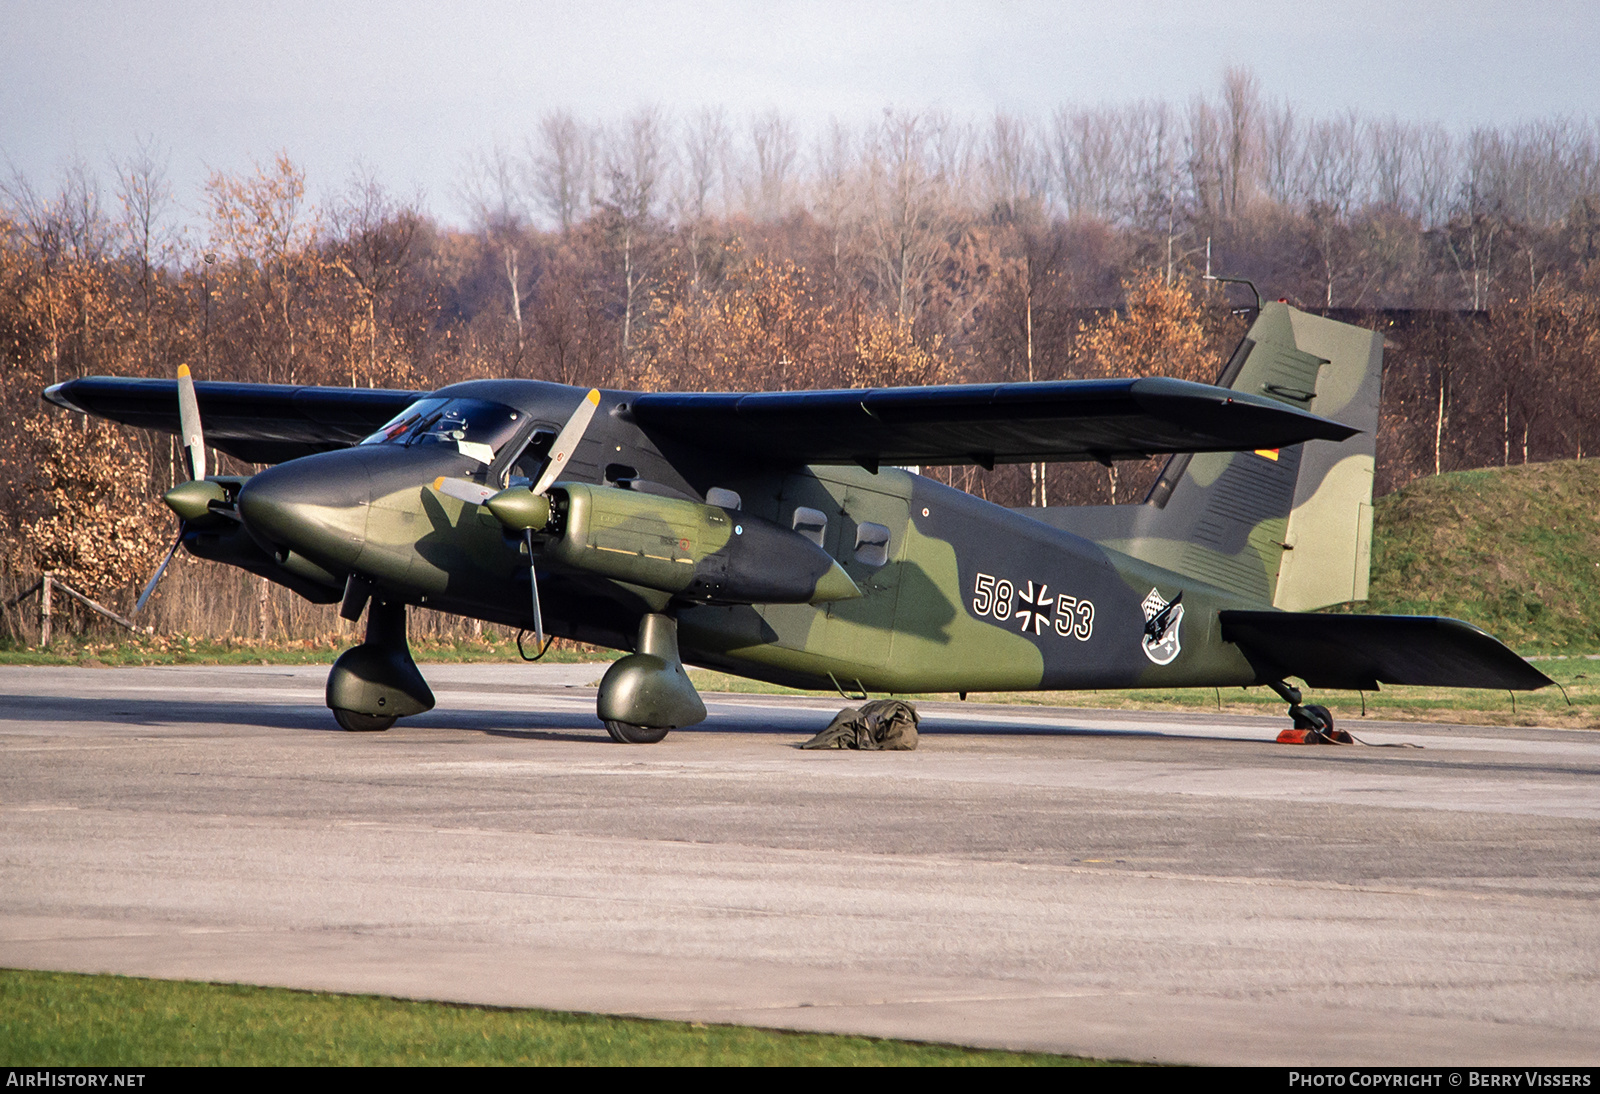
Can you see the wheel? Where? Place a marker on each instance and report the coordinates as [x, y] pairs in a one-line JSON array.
[[362, 723], [1302, 721], [624, 733]]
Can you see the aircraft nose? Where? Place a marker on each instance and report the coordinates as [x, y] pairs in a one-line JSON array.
[[316, 505]]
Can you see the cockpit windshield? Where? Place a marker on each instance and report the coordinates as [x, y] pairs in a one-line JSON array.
[[475, 426]]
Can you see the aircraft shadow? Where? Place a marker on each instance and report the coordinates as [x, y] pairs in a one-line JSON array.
[[527, 724]]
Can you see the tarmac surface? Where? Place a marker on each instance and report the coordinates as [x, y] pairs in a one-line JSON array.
[[1169, 887]]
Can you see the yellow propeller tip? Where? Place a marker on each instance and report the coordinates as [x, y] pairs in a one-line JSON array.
[[438, 484], [593, 396], [183, 370]]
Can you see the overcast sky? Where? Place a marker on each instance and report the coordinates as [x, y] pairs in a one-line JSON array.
[[412, 88]]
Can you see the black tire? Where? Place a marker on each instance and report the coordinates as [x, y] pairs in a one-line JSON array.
[[362, 723], [1327, 719], [624, 733]]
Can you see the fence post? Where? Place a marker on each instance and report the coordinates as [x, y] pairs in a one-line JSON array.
[[45, 588]]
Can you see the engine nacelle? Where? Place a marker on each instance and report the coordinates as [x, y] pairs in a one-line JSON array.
[[678, 546]]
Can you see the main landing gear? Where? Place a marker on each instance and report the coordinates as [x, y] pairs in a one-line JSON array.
[[376, 682], [1313, 725], [647, 693]]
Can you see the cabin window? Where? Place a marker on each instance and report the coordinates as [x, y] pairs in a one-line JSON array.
[[872, 544], [811, 523], [533, 458], [724, 499]]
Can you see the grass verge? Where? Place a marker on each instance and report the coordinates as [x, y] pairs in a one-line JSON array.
[[1515, 550], [73, 1020], [183, 649]]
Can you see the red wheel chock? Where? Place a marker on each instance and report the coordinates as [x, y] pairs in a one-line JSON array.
[[1315, 737]]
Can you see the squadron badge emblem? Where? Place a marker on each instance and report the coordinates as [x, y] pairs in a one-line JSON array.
[[1162, 621]]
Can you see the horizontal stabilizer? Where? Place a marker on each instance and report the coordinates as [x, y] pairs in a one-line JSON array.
[[257, 423], [1359, 652], [983, 423]]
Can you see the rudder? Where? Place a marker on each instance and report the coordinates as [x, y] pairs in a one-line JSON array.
[[1292, 527]]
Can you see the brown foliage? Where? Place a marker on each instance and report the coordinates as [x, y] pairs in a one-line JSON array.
[[769, 329], [1163, 333], [87, 513]]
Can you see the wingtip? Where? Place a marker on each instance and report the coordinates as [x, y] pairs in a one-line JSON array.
[[55, 394]]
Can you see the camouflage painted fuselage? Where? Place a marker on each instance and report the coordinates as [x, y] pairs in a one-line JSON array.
[[956, 594], [972, 598]]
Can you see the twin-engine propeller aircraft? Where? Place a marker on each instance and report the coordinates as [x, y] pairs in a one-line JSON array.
[[773, 535]]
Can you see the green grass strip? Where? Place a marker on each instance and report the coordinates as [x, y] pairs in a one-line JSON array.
[[73, 1020]]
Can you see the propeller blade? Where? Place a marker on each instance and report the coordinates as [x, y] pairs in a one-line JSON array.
[[567, 440], [533, 583], [462, 490], [194, 442], [150, 588]]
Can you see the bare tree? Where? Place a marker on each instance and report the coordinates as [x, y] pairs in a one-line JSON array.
[[1205, 150], [777, 150], [1014, 179], [951, 153], [68, 236], [560, 163], [706, 146], [836, 192], [1333, 169], [907, 216], [146, 198], [1087, 151], [1241, 108], [372, 246], [1150, 134], [1393, 147], [635, 161], [1281, 153], [1435, 168], [1478, 216], [491, 186]]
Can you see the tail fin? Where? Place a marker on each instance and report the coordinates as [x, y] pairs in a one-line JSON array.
[[1291, 527]]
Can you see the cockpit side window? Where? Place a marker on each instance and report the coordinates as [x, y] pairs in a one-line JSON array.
[[396, 428], [532, 460], [476, 422]]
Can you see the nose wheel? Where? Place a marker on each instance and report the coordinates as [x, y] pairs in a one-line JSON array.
[[377, 682], [624, 733], [356, 722]]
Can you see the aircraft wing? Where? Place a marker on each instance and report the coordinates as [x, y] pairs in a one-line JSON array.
[[257, 423], [971, 423], [984, 424], [1360, 651]]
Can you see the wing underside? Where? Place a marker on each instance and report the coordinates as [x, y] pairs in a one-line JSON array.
[[257, 423], [1359, 652], [982, 424]]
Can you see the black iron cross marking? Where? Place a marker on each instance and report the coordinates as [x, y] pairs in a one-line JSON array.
[[1034, 609]]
